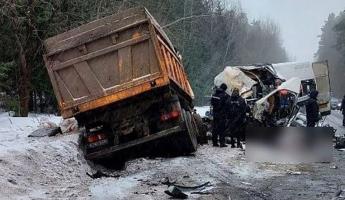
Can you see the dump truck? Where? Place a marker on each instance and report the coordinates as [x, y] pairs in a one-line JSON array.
[[123, 80]]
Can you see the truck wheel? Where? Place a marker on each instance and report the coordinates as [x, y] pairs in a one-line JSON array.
[[202, 129], [191, 133], [81, 142]]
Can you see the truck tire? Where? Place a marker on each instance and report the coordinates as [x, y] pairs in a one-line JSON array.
[[81, 142], [202, 129], [190, 134]]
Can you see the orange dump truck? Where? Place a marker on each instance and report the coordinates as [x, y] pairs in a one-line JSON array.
[[122, 79]]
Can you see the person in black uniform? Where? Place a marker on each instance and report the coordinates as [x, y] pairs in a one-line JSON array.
[[342, 108], [218, 101], [312, 109], [236, 118]]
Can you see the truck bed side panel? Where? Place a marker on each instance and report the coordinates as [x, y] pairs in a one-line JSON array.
[[174, 67]]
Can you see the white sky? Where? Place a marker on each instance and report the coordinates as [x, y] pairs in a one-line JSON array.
[[300, 21]]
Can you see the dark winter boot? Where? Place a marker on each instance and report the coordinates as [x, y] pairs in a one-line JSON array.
[[239, 146], [232, 142], [223, 145]]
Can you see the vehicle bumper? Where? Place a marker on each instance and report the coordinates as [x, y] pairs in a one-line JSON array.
[[110, 150]]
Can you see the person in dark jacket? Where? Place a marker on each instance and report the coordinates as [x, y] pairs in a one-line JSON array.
[[342, 108], [218, 103], [236, 118], [312, 109]]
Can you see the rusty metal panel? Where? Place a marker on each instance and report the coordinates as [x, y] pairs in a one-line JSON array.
[[121, 94], [174, 67], [100, 52], [106, 69], [125, 64], [140, 63], [63, 91], [95, 30], [88, 77], [92, 25], [154, 65], [73, 83]]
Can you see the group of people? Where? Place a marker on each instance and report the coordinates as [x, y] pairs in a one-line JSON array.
[[229, 117]]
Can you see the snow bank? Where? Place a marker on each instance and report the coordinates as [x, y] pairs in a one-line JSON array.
[[39, 168], [14, 130]]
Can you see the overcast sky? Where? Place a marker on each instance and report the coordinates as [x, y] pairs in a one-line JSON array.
[[300, 21]]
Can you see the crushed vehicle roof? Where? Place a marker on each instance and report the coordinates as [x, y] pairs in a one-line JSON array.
[[233, 77], [302, 70]]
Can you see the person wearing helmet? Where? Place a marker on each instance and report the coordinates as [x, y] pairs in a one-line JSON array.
[[219, 115], [312, 109]]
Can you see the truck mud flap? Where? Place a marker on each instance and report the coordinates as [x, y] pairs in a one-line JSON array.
[[109, 151]]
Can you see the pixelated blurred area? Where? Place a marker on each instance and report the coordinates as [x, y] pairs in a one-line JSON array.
[[289, 145]]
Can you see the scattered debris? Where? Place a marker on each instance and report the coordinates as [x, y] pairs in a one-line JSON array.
[[43, 132], [99, 174], [246, 183], [337, 194], [44, 122], [294, 172], [334, 167], [11, 114], [201, 192], [167, 181], [48, 128], [12, 181], [192, 187], [69, 125], [339, 143], [175, 192]]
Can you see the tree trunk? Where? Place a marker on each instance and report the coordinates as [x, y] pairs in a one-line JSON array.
[[32, 101], [35, 100], [41, 102], [24, 81]]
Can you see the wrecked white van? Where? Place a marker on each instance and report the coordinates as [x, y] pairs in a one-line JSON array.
[[313, 76], [275, 92]]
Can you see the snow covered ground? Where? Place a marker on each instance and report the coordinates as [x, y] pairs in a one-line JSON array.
[[53, 168], [39, 168]]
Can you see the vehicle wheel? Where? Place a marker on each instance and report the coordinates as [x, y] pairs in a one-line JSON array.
[[191, 133], [202, 129], [81, 142]]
